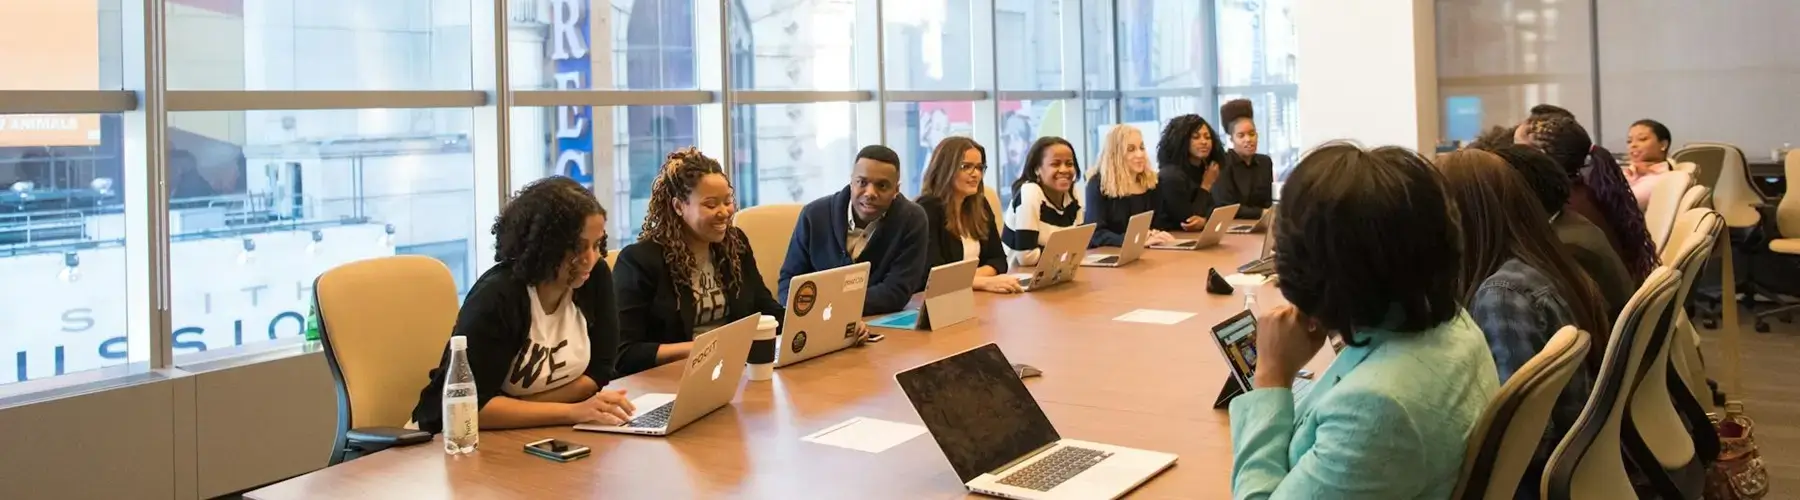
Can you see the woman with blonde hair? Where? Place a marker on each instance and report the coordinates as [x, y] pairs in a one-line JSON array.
[[1121, 185], [960, 222]]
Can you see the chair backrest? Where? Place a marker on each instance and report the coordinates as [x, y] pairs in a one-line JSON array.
[[384, 323], [1707, 158], [1587, 463], [1665, 204], [994, 210], [1695, 197], [1734, 195], [1698, 231], [1787, 214], [1506, 437], [1658, 403], [1687, 166], [769, 228]]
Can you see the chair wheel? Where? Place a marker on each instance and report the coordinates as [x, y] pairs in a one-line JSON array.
[[1762, 327]]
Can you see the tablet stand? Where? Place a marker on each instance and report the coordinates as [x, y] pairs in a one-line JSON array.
[[1231, 390]]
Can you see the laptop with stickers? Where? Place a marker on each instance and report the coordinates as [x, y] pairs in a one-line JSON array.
[[823, 309], [710, 381], [949, 299]]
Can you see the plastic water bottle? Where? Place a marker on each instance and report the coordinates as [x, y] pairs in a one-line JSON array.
[[461, 412], [1250, 299]]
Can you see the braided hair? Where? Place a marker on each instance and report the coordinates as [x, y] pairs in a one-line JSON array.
[[1568, 143], [680, 173], [538, 230]]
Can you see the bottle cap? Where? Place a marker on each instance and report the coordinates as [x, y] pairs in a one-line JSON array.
[[459, 342]]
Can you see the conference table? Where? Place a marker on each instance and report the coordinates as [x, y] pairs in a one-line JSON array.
[[1140, 385]]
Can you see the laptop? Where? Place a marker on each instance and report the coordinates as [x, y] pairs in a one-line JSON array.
[[949, 299], [823, 309], [1136, 232], [1264, 264], [1209, 235], [1000, 442], [1059, 259], [1262, 223], [1236, 339], [711, 378]]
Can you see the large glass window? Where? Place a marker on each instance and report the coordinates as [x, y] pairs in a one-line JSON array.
[[1029, 44], [1163, 44], [793, 153], [261, 208], [928, 45], [619, 150], [1498, 58], [790, 45], [1022, 123], [318, 44], [602, 44], [914, 130], [1257, 42], [1277, 127]]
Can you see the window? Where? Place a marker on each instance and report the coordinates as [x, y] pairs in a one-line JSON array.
[[1257, 43], [1022, 123], [1099, 45], [928, 45], [1277, 129], [1164, 43], [262, 202], [1150, 113], [318, 45], [788, 45], [1498, 58], [914, 130], [650, 46], [793, 153], [617, 150], [1029, 44]]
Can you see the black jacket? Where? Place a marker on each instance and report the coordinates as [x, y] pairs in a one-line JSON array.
[[653, 312], [947, 248], [1249, 185], [496, 318], [1182, 196]]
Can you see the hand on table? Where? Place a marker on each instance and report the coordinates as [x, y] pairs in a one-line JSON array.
[[997, 284], [1285, 341], [605, 408], [1194, 223]]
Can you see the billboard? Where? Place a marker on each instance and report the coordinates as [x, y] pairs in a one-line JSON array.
[[64, 54], [571, 67]]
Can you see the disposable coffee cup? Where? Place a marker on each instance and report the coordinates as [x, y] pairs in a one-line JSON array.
[[762, 349]]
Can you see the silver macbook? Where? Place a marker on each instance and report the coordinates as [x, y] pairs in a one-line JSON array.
[[1264, 264], [1059, 259], [1262, 223], [1209, 236], [709, 381], [1000, 442], [823, 309], [1136, 231], [949, 299]]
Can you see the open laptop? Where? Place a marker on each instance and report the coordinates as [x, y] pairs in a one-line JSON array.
[[1136, 231], [709, 381], [1264, 264], [1000, 442], [823, 309], [1262, 223], [949, 299], [1209, 235], [1059, 259]]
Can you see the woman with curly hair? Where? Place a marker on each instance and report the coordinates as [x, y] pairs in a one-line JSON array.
[[1600, 194], [540, 325], [1188, 158], [690, 270], [960, 223]]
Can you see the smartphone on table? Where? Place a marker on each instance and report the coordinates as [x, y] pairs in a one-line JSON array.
[[556, 449]]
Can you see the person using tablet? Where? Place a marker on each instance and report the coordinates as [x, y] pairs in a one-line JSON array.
[[691, 271], [1122, 185], [1520, 284], [1369, 252], [1043, 199], [540, 325], [868, 221], [959, 220], [1188, 158], [1246, 178]]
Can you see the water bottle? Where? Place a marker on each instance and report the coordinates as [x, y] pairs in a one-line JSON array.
[[312, 322], [461, 425], [1250, 299]]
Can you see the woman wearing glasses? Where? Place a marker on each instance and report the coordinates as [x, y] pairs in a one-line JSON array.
[[960, 221], [1043, 199]]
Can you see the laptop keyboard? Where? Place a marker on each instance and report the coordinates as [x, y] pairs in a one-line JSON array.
[[658, 417], [1104, 259], [1062, 464]]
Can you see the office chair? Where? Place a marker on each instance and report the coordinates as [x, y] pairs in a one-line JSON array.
[[1505, 439], [384, 323], [1587, 463], [1686, 166], [1703, 227], [1667, 433], [769, 228], [1787, 239], [1707, 158], [1665, 202], [999, 215], [1695, 197]]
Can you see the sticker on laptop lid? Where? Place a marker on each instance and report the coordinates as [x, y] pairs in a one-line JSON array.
[[804, 298], [856, 281], [799, 343]]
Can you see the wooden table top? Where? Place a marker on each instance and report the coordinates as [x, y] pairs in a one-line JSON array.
[[1130, 384]]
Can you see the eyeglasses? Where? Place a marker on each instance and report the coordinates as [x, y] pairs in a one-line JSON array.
[[973, 166]]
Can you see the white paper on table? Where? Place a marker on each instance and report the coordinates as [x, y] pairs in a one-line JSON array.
[[866, 434], [1241, 279], [1155, 316]]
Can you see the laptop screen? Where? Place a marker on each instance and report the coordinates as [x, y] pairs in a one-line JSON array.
[[978, 410], [1237, 338]]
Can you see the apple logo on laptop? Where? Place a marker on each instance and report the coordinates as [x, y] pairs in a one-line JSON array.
[[827, 312], [717, 369], [1063, 258]]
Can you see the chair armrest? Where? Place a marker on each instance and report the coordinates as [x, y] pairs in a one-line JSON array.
[[374, 438], [1789, 246]]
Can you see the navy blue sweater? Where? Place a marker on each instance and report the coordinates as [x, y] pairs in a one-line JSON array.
[[896, 253], [1110, 216]]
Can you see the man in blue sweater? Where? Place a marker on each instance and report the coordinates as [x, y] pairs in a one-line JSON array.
[[868, 221]]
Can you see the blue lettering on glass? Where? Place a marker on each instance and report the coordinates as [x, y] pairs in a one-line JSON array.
[[569, 55], [196, 345], [299, 323]]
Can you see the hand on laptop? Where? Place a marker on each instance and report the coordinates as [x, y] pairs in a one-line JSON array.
[[997, 284], [1159, 238], [1193, 224], [1285, 341], [605, 408]]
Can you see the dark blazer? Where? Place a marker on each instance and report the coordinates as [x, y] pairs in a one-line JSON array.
[[1249, 185], [896, 252], [496, 319], [1182, 196], [653, 312], [947, 248], [1111, 216]]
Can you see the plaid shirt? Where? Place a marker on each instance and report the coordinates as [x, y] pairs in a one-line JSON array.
[[1518, 310]]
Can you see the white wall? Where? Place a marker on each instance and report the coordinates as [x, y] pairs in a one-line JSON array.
[[1368, 73]]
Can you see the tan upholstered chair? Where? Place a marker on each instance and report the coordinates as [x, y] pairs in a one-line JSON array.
[[384, 323], [769, 228], [1734, 196], [1506, 437], [1696, 197], [993, 201], [1665, 204], [1787, 222], [1663, 403], [1691, 244], [1587, 463], [1707, 158]]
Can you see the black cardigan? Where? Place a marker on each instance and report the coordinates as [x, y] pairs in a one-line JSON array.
[[1182, 196], [652, 312], [1111, 216], [496, 319], [1250, 186], [947, 248]]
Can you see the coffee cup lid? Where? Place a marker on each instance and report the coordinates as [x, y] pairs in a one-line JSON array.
[[768, 323]]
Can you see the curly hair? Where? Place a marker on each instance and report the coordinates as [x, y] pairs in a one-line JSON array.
[[680, 173], [1568, 143], [1234, 110], [1172, 147], [967, 219], [536, 232], [1034, 158]]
